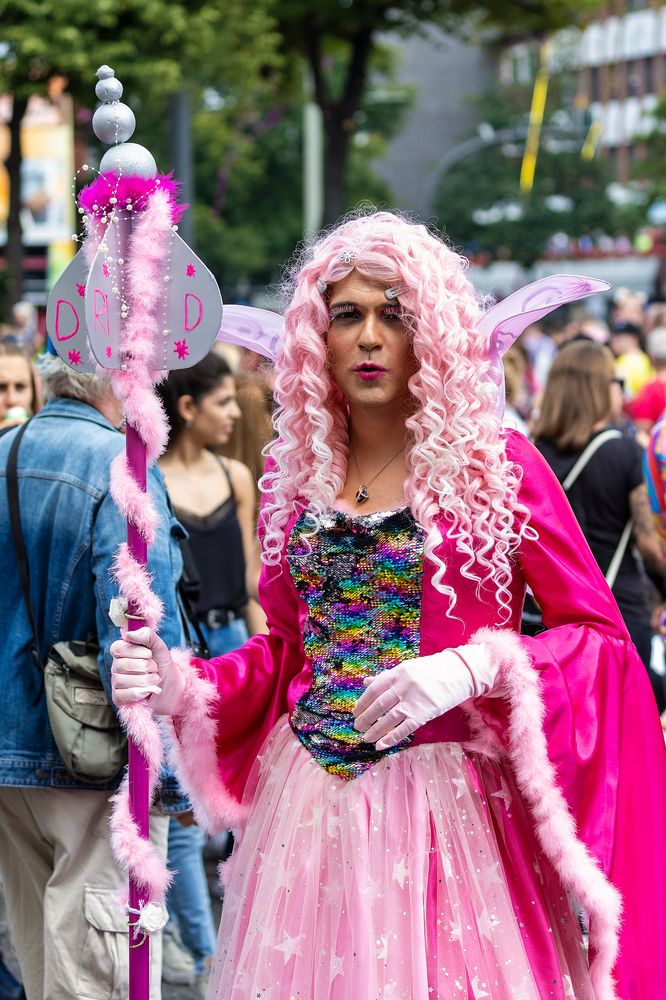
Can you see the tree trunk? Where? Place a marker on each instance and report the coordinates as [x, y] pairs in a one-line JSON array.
[[14, 247], [335, 170], [338, 115]]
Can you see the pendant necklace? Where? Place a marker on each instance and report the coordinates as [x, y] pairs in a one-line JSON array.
[[362, 492]]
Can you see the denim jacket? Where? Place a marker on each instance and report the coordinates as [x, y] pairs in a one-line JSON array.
[[71, 529]]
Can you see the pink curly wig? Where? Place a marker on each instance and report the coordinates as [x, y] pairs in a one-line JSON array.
[[458, 470]]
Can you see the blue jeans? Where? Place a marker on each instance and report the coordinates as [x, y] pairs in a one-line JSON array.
[[223, 640], [188, 900]]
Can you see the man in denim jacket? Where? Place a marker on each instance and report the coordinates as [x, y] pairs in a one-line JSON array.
[[59, 875]]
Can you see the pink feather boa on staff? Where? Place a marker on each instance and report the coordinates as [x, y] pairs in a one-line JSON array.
[[155, 212]]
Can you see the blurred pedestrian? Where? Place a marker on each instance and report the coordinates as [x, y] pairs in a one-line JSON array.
[[601, 471], [631, 362], [648, 406], [60, 879], [213, 497], [18, 385]]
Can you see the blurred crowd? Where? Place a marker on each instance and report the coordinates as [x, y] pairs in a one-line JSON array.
[[590, 391]]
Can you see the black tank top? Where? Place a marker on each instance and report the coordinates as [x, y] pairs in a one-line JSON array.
[[216, 544]]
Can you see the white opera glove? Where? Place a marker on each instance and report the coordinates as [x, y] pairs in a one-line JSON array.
[[144, 670], [398, 701]]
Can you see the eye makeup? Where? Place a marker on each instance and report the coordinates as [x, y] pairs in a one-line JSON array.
[[348, 310], [340, 309]]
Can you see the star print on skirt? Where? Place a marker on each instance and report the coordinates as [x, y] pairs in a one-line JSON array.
[[390, 887]]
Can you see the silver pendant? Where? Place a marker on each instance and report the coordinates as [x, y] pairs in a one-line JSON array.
[[362, 494]]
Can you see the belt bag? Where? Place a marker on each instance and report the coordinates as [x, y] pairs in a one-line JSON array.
[[85, 727]]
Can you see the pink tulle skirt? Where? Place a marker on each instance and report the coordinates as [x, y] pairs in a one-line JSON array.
[[390, 887]]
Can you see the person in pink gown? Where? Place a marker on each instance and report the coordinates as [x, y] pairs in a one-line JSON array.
[[422, 796]]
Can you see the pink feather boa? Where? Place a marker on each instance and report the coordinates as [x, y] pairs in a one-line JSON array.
[[147, 251], [95, 198]]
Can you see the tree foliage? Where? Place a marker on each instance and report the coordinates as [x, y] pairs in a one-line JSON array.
[[155, 47], [478, 200], [350, 28]]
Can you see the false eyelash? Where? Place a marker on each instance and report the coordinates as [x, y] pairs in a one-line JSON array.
[[345, 308], [398, 313]]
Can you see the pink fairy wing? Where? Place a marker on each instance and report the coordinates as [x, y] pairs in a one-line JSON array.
[[505, 322], [257, 329], [65, 316]]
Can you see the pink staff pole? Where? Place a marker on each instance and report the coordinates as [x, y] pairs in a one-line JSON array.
[[139, 956]]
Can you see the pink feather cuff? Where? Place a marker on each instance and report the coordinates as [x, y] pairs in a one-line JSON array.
[[192, 750], [536, 778]]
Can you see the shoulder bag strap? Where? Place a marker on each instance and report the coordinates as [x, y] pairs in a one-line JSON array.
[[592, 448], [19, 545], [587, 454], [618, 555]]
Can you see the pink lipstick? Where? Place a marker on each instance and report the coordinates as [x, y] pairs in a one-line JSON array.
[[369, 372]]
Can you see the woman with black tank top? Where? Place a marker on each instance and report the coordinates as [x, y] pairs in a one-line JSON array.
[[609, 490], [214, 499]]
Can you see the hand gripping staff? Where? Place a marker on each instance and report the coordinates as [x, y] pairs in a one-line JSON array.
[[135, 301]]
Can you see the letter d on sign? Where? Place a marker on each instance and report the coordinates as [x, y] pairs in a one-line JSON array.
[[190, 309], [66, 320]]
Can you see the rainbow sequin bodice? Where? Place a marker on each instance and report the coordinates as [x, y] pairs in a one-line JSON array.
[[361, 580]]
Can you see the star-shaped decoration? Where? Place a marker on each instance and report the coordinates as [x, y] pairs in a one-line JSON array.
[[285, 878], [370, 890], [337, 966], [400, 872], [81, 288], [487, 924], [105, 270], [504, 794], [330, 892], [461, 786], [181, 349], [190, 270], [316, 814], [478, 991], [390, 991], [332, 825], [290, 946], [109, 352], [456, 930], [74, 357], [489, 873]]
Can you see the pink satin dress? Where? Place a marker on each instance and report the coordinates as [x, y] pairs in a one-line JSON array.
[[379, 886]]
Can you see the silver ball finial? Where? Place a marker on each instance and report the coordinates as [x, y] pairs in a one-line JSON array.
[[113, 123], [130, 159], [104, 73], [109, 90]]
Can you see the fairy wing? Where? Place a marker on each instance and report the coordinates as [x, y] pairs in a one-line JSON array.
[[505, 322], [257, 329]]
